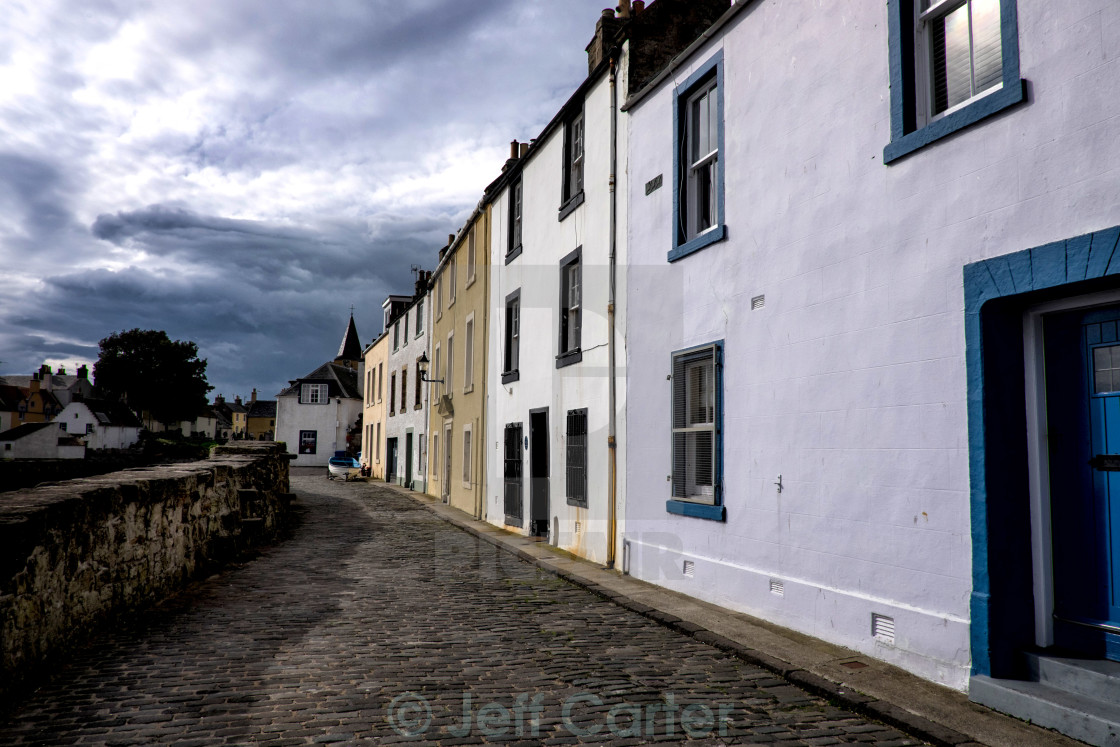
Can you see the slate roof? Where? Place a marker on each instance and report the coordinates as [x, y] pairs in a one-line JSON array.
[[340, 380], [10, 397], [14, 434], [262, 408], [108, 412]]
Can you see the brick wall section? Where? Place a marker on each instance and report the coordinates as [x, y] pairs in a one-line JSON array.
[[76, 554]]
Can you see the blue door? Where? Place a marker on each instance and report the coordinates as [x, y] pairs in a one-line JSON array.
[[1083, 412]]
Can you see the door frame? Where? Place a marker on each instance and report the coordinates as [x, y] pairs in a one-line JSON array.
[[1038, 453], [408, 441], [1001, 461], [445, 490], [535, 483]]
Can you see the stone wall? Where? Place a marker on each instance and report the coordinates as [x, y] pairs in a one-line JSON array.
[[75, 554]]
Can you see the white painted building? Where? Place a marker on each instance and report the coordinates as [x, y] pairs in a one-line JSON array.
[[550, 406], [407, 321], [318, 413], [40, 441], [100, 423], [839, 260]]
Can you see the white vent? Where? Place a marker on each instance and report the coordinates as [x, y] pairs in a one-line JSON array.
[[689, 568], [578, 527], [758, 302], [777, 588], [882, 628]]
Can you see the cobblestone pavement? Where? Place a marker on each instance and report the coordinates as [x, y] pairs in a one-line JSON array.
[[378, 623]]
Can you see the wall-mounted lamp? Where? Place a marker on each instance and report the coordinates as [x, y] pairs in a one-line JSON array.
[[423, 363]]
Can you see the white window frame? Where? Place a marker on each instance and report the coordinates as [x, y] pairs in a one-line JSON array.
[[702, 166], [312, 394], [468, 456], [419, 317], [449, 379], [472, 257], [452, 280], [685, 363], [468, 355], [924, 21]]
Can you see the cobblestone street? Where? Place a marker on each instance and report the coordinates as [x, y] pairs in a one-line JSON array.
[[377, 623]]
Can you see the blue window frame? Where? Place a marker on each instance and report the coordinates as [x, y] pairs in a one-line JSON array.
[[952, 64], [697, 432], [698, 153]]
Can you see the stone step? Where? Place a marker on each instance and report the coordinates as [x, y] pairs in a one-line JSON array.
[[1096, 722], [1099, 679]]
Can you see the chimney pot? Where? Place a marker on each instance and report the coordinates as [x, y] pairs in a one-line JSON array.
[[524, 149], [514, 149], [450, 239], [623, 9], [639, 6], [608, 13]]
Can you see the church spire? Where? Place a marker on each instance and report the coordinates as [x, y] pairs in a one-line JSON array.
[[350, 351]]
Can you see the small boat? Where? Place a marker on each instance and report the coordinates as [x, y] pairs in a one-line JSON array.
[[342, 466]]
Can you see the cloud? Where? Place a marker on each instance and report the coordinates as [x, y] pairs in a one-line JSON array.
[[240, 173]]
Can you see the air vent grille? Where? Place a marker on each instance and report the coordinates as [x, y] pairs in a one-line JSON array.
[[689, 568], [758, 302], [882, 628], [777, 588]]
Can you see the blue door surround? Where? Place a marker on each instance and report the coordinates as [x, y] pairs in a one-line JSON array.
[[997, 292]]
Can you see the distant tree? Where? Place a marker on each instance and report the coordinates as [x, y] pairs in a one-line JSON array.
[[148, 371]]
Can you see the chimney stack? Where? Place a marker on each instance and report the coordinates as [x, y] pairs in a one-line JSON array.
[[83, 372], [606, 31], [253, 397], [237, 399]]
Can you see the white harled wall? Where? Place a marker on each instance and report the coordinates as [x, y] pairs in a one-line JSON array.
[[546, 241], [850, 381]]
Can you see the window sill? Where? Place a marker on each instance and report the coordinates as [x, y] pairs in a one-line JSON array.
[[470, 281], [982, 108], [513, 254], [711, 236], [568, 207], [511, 376], [469, 389], [566, 359], [513, 521], [696, 510], [418, 406]]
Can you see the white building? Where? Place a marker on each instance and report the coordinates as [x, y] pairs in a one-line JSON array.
[[100, 423], [319, 413], [40, 441], [407, 321], [855, 311], [552, 404]]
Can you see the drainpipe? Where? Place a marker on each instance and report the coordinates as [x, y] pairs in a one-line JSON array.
[[612, 444]]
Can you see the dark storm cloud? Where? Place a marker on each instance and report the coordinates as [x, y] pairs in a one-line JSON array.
[[240, 173]]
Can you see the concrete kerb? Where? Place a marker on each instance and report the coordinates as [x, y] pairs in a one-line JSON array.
[[581, 572]]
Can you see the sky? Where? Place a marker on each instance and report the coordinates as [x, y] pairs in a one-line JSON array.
[[239, 173]]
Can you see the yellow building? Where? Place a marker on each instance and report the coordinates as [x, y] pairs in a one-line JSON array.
[[373, 406], [460, 294]]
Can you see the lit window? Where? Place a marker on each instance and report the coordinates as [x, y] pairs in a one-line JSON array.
[[952, 63]]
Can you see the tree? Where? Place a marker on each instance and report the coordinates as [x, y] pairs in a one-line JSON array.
[[148, 371]]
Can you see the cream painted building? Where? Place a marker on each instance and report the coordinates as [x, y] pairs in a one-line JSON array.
[[460, 295], [373, 407]]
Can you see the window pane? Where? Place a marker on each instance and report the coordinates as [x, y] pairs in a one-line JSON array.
[[987, 45], [952, 69]]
